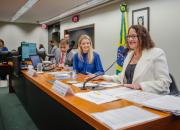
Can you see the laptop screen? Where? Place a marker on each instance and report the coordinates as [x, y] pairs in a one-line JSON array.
[[35, 60]]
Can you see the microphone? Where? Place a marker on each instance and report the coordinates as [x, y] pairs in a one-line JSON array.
[[89, 79], [124, 53]]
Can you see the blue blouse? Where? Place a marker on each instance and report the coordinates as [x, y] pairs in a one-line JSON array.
[[82, 66], [4, 49]]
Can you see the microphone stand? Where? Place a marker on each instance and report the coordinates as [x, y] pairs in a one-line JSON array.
[[89, 79], [124, 53]]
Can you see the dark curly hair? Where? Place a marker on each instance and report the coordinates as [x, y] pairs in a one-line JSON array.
[[2, 41], [143, 37]]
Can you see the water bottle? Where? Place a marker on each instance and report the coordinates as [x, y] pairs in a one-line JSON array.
[[73, 75], [39, 67]]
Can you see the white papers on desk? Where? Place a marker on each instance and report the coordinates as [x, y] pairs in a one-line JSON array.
[[103, 84], [123, 117], [139, 96], [80, 85], [117, 92], [60, 75], [159, 102], [104, 96], [96, 97], [108, 84], [165, 103]]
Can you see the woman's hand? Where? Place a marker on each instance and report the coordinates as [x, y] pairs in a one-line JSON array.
[[133, 86]]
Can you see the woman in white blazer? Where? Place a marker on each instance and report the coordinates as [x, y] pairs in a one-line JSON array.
[[145, 67]]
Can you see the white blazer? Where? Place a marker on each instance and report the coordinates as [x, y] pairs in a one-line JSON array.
[[151, 71]]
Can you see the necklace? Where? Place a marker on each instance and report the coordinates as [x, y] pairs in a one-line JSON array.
[[135, 58]]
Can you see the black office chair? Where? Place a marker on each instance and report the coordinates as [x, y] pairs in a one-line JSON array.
[[173, 88]]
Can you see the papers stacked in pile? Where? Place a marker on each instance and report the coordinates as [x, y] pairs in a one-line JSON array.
[[160, 102], [165, 103], [60, 75], [124, 117], [104, 96]]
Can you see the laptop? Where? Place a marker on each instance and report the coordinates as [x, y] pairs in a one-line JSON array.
[[35, 59]]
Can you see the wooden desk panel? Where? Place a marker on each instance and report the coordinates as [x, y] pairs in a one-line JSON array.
[[6, 69], [83, 108]]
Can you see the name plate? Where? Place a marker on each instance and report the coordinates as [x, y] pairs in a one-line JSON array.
[[32, 72], [61, 88]]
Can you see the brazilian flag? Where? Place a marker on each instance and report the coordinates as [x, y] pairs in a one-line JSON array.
[[122, 42]]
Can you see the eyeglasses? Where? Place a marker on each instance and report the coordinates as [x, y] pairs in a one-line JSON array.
[[131, 36]]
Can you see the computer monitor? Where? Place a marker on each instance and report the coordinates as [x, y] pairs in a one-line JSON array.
[[35, 59], [32, 49], [27, 50]]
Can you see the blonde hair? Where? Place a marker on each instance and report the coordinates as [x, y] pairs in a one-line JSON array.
[[90, 51]]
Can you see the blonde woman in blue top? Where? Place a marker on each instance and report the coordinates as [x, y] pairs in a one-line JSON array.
[[86, 61]]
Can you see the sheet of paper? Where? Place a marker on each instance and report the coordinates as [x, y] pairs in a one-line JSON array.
[[123, 117], [117, 92], [62, 76], [108, 84], [58, 73], [139, 96], [96, 97], [165, 103], [80, 85]]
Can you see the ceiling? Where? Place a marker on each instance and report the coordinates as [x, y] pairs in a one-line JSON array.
[[41, 11]]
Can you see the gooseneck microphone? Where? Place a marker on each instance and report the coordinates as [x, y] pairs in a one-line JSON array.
[[124, 53], [89, 79]]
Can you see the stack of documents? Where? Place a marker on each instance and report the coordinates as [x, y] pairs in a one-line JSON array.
[[60, 75], [80, 85], [96, 97], [160, 102], [108, 84], [123, 117], [139, 96], [102, 84], [118, 92], [104, 96], [165, 103]]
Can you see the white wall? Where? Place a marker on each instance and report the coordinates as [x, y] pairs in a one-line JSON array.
[[107, 25], [14, 34], [164, 29]]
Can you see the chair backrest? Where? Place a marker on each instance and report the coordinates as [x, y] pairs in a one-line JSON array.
[[173, 88]]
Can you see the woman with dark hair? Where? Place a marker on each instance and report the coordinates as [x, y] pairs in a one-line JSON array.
[[145, 67], [41, 47], [2, 46], [3, 49]]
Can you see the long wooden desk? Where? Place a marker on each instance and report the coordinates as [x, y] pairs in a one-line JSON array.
[[49, 110]]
